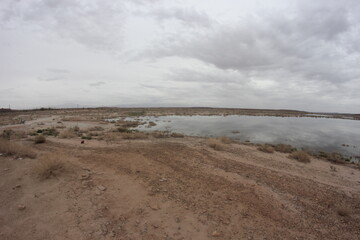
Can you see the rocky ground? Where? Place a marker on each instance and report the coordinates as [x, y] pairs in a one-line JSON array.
[[170, 188]]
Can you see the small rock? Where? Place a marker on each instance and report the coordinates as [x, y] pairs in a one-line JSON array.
[[177, 219], [1, 154], [6, 169], [97, 192], [21, 207], [101, 188], [84, 176], [154, 206], [20, 158], [17, 186], [216, 234]]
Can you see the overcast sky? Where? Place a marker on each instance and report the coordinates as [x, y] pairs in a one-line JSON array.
[[284, 54]]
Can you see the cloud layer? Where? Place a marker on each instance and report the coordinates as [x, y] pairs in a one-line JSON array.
[[298, 54]]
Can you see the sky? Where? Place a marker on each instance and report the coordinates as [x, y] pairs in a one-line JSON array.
[[278, 54]]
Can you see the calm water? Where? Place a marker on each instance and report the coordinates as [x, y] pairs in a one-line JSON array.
[[317, 134]]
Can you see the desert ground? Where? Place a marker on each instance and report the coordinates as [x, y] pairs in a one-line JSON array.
[[69, 174]]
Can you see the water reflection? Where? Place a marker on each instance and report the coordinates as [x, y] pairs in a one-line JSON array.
[[318, 134]]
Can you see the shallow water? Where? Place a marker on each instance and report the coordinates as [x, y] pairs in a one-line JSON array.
[[315, 134]]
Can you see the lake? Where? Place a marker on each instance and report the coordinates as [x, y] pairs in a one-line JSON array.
[[314, 134]]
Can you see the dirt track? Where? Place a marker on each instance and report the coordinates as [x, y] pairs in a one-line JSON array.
[[175, 188]]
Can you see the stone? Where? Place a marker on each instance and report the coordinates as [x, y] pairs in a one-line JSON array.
[[84, 176], [21, 207], [17, 186], [101, 188], [154, 206], [216, 234]]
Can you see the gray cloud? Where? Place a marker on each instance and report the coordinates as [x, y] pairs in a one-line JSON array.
[[96, 84], [258, 92], [52, 78], [97, 25], [300, 54], [187, 16], [310, 43], [210, 76], [58, 70], [54, 74]]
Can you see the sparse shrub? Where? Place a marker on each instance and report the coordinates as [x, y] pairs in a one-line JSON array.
[[300, 156], [284, 148], [215, 144], [177, 135], [9, 148], [48, 166], [48, 131], [266, 148], [40, 139]]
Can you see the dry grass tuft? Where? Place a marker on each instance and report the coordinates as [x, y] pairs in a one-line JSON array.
[[69, 133], [9, 148], [11, 134], [48, 166], [300, 156], [333, 157], [134, 135], [109, 137], [226, 140], [266, 148], [152, 124], [159, 134], [95, 128], [284, 148], [40, 139], [215, 144], [177, 135], [128, 124]]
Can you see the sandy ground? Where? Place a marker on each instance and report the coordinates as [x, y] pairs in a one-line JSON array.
[[173, 188]]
